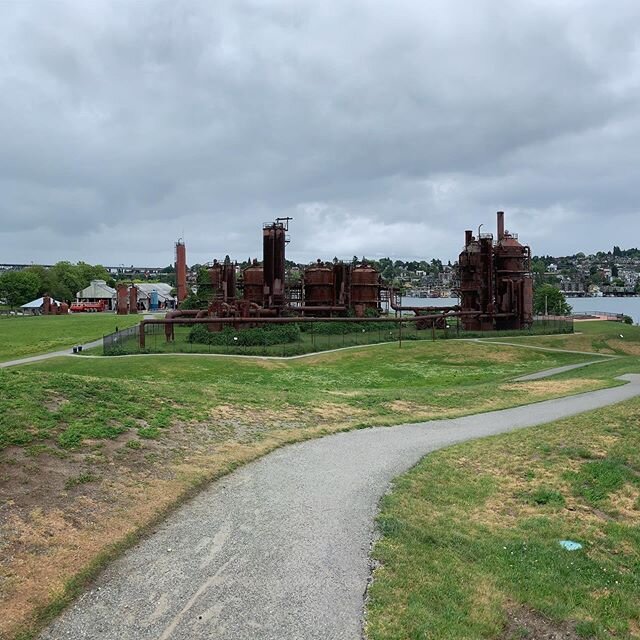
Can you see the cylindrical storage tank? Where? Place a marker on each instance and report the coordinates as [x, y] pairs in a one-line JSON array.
[[274, 240], [215, 275], [469, 281], [365, 287], [513, 291], [46, 305], [122, 300], [154, 300], [253, 278], [318, 285], [133, 299]]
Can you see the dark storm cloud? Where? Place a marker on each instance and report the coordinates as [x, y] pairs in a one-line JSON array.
[[382, 129]]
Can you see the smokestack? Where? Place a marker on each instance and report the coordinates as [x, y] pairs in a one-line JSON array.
[[500, 225], [468, 237], [181, 271]]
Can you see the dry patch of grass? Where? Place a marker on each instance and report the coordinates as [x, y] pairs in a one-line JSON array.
[[544, 387], [628, 348], [626, 503], [524, 622]]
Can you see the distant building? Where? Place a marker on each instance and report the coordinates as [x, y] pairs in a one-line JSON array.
[[146, 294], [35, 307], [98, 291]]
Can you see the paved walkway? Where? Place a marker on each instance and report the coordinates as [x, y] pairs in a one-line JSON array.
[[547, 373], [48, 356], [279, 549]]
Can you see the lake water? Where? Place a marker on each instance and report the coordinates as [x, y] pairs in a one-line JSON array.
[[628, 306]]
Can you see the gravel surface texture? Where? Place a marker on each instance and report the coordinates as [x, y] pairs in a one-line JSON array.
[[279, 549]]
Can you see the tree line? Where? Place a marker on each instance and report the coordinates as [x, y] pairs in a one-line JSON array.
[[61, 281]]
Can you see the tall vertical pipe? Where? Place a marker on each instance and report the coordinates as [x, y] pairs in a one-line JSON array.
[[500, 225], [181, 271], [122, 299], [133, 299], [468, 235]]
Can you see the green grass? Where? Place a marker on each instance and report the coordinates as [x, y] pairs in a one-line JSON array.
[[596, 336], [472, 534], [32, 335], [102, 398], [182, 420]]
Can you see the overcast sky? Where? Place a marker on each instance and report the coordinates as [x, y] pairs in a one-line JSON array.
[[382, 128]]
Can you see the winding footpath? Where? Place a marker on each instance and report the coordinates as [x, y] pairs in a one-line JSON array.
[[279, 549]]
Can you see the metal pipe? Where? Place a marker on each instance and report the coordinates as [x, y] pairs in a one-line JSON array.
[[317, 308]]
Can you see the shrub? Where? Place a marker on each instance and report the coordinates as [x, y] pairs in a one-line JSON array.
[[252, 337]]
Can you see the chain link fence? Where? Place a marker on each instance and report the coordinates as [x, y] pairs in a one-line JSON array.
[[304, 336]]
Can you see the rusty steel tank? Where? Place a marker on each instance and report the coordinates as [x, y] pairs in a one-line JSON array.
[[318, 285], [514, 285], [365, 289], [253, 278], [274, 240], [223, 280], [476, 286]]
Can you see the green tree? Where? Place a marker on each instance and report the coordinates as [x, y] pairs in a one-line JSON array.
[[44, 278], [66, 281], [18, 287], [549, 299]]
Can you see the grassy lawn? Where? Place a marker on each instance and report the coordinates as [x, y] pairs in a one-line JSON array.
[[612, 338], [95, 450], [32, 335], [470, 545]]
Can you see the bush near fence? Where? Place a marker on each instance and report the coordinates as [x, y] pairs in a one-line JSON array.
[[253, 337], [338, 328]]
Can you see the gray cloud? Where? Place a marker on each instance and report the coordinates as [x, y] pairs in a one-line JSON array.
[[382, 129]]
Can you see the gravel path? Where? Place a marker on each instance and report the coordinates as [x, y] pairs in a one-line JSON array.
[[279, 549]]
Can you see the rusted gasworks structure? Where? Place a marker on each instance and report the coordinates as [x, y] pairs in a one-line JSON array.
[[495, 281], [274, 241], [264, 292], [495, 288], [223, 280], [340, 288]]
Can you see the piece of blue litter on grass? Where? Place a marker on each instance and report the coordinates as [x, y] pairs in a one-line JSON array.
[[570, 545]]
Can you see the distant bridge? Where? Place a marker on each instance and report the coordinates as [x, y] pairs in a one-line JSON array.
[[120, 269]]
